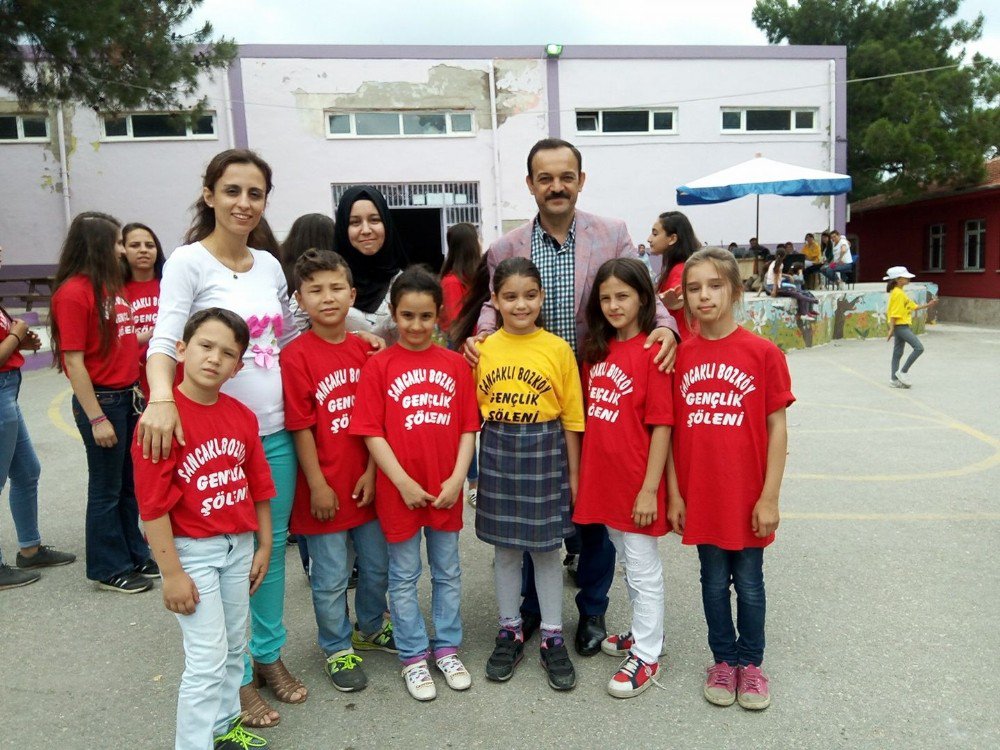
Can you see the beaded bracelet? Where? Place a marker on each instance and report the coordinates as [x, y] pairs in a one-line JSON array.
[[160, 401], [97, 420]]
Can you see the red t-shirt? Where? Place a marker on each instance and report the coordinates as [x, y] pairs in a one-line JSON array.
[[454, 294], [674, 278], [421, 403], [626, 394], [144, 298], [320, 380], [75, 312], [723, 392], [208, 486], [15, 360]]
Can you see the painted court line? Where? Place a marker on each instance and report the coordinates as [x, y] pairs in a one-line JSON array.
[[56, 417], [890, 516]]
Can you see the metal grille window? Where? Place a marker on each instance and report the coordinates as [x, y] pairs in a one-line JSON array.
[[459, 200], [975, 242], [935, 247]]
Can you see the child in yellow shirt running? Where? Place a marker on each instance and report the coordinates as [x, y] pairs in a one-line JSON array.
[[900, 316]]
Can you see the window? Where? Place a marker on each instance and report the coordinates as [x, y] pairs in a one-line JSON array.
[[974, 245], [158, 126], [626, 121], [30, 128], [768, 120], [398, 124], [935, 248]]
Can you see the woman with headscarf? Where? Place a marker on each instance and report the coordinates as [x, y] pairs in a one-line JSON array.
[[367, 239]]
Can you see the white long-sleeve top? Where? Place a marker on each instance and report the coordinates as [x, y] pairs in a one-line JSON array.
[[193, 279]]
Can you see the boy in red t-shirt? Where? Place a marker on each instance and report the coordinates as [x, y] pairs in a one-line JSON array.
[[201, 505], [334, 495]]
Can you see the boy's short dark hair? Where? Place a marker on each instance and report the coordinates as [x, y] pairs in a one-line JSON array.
[[232, 321], [313, 261]]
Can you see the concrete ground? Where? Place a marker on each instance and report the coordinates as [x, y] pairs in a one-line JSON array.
[[882, 621]]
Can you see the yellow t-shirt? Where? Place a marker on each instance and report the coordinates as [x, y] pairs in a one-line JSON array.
[[528, 379], [900, 307], [812, 252]]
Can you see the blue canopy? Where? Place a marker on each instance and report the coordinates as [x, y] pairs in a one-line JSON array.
[[760, 176]]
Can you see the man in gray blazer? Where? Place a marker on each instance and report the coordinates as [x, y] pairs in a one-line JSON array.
[[568, 246]]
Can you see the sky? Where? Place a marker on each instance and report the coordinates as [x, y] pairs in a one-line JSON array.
[[509, 22]]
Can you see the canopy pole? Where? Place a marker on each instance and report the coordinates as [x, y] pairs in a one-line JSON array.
[[757, 230]]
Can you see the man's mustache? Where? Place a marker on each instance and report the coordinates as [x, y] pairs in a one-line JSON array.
[[556, 196]]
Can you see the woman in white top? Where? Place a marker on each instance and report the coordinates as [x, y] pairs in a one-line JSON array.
[[777, 284], [220, 268], [368, 241]]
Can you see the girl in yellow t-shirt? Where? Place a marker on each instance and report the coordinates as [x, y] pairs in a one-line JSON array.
[[528, 386], [900, 316]]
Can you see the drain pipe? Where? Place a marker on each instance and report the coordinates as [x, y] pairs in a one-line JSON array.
[[498, 226], [63, 166]]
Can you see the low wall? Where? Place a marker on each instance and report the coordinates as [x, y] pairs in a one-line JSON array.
[[858, 313], [975, 310]]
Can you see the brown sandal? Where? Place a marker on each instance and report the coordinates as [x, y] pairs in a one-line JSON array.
[[254, 709], [282, 682]]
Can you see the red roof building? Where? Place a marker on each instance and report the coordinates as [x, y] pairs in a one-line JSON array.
[[950, 236]]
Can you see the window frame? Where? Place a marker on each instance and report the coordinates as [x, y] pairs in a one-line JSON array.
[[967, 233], [19, 126], [939, 232], [450, 132], [651, 112], [131, 138], [792, 112]]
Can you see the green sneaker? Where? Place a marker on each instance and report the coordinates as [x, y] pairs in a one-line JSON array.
[[238, 738], [344, 668], [381, 640]]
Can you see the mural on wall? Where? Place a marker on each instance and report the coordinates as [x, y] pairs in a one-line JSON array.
[[840, 315]]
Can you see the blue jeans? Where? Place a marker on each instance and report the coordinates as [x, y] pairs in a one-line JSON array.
[[114, 541], [267, 606], [214, 636], [446, 593], [595, 572], [18, 462], [902, 335], [745, 570], [329, 569]]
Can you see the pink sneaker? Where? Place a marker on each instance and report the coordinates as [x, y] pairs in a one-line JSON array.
[[720, 684], [752, 691]]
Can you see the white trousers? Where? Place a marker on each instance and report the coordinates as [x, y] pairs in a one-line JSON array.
[[644, 583], [214, 636]]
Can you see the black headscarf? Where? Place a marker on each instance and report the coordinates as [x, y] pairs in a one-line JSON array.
[[372, 273]]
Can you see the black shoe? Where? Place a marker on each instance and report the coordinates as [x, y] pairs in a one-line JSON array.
[[45, 557], [352, 580], [148, 569], [507, 654], [589, 634], [555, 660], [530, 622], [12, 578], [126, 583]]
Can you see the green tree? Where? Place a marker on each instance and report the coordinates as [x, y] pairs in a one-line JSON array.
[[110, 54], [909, 131]]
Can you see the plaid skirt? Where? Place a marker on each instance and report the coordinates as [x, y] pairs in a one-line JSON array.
[[523, 500]]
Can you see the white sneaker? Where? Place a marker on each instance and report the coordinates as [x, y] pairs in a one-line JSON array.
[[470, 497], [454, 672], [419, 682], [897, 384], [903, 378]]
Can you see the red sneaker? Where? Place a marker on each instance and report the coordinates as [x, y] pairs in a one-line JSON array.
[[752, 689], [620, 644], [720, 684], [633, 677]]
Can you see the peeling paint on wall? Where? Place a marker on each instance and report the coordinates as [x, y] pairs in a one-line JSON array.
[[519, 87]]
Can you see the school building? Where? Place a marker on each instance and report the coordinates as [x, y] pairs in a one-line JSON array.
[[444, 132], [948, 236]]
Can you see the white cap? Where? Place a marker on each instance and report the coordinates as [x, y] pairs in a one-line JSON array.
[[897, 272]]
